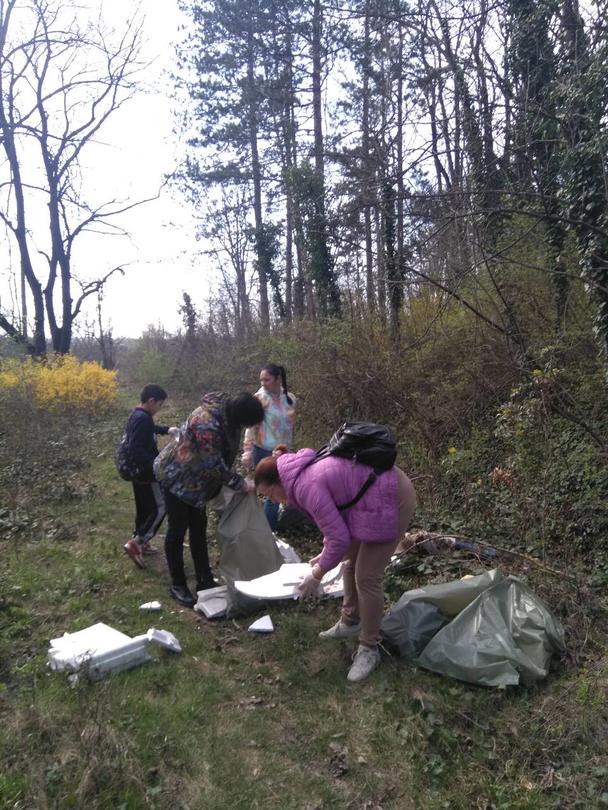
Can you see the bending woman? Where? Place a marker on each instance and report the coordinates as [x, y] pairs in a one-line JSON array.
[[276, 429], [364, 536]]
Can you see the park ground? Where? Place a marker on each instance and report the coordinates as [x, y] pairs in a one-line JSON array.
[[246, 721]]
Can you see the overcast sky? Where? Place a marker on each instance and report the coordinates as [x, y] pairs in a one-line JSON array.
[[134, 150], [160, 259]]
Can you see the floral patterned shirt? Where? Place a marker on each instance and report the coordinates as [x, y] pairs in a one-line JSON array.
[[204, 455], [277, 427]]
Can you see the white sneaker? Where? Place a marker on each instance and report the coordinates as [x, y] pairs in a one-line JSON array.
[[341, 630], [365, 661]]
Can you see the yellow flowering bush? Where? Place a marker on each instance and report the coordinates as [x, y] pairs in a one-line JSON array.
[[61, 383]]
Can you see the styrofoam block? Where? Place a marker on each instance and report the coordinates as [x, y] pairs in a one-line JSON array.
[[126, 657], [164, 639], [263, 625], [97, 650], [212, 602], [100, 649]]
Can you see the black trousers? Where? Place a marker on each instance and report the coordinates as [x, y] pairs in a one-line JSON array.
[[182, 517], [149, 510]]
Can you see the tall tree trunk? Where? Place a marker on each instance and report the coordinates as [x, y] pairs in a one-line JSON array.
[[38, 343], [397, 298], [379, 230], [320, 259], [366, 162], [256, 173]]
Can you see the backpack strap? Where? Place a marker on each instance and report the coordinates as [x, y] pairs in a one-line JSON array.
[[370, 480], [324, 453]]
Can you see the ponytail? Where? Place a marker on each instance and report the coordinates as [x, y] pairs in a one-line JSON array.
[[284, 384]]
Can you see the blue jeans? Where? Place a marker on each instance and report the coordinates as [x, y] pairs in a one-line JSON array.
[[271, 510]]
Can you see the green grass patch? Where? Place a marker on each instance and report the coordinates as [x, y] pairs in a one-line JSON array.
[[243, 721]]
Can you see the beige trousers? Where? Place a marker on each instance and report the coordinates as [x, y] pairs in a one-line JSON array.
[[363, 572]]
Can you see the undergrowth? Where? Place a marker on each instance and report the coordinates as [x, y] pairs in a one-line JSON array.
[[269, 722]]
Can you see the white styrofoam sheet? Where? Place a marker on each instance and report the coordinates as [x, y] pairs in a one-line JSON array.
[[212, 602], [283, 584]]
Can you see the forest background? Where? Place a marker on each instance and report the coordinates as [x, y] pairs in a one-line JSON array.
[[403, 203]]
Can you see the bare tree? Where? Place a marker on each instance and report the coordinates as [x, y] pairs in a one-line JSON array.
[[229, 235], [61, 78]]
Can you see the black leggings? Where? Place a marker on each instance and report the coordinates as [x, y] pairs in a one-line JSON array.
[[181, 517]]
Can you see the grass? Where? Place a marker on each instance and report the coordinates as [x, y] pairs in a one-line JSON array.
[[244, 721]]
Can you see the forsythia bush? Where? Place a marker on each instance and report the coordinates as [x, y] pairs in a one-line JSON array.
[[61, 383]]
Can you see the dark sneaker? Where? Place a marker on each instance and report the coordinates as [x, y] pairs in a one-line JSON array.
[[181, 594], [134, 551]]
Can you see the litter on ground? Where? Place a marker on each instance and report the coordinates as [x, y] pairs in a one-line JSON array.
[[212, 602], [283, 584], [164, 639], [155, 605], [100, 649], [263, 625], [489, 629]]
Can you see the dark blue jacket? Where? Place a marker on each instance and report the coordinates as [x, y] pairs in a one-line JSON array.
[[141, 438]]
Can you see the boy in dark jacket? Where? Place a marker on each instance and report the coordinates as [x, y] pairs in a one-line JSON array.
[[142, 449]]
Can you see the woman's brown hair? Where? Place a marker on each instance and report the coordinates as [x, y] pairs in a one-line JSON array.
[[266, 472]]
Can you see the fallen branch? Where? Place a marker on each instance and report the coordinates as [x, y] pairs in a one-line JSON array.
[[412, 540]]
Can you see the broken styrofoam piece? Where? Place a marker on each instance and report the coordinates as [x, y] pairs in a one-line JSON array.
[[155, 605], [212, 602], [100, 649], [263, 625], [288, 553], [96, 650], [283, 584], [164, 639]]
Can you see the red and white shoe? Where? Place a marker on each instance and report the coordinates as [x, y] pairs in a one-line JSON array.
[[134, 551]]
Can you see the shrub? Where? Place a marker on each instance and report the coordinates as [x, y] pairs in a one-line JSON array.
[[60, 384]]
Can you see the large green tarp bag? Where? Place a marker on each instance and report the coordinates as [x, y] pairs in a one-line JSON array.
[[500, 635], [421, 613], [247, 549]]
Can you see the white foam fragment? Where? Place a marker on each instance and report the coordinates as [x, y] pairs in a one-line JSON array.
[[155, 605], [287, 552], [164, 639], [263, 625], [212, 602]]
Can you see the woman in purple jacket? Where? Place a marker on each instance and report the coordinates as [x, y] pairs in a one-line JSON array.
[[364, 535]]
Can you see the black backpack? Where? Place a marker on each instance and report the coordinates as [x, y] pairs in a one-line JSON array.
[[365, 443], [127, 469]]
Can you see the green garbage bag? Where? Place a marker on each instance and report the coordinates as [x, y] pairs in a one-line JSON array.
[[501, 634], [421, 613], [507, 635], [247, 549]]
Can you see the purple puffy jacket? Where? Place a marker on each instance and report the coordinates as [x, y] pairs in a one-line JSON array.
[[319, 489]]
